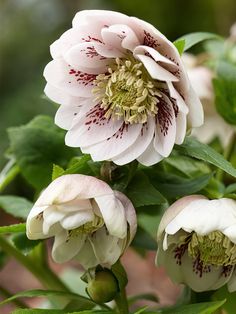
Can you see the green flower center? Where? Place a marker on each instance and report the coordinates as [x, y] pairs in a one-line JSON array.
[[127, 92], [87, 228]]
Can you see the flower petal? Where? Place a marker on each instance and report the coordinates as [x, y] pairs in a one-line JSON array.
[[65, 248], [139, 146], [77, 219], [86, 256], [34, 223], [113, 214], [150, 156], [196, 114]]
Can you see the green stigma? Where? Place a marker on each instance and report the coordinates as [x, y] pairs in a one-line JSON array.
[[213, 249], [127, 92], [87, 228]]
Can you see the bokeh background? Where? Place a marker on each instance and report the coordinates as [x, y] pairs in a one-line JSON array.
[[29, 26]]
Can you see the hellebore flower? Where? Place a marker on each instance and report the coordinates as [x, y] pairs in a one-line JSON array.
[[122, 87], [90, 221], [197, 242]]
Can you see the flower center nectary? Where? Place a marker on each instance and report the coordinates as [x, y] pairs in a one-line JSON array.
[[213, 249], [87, 228], [126, 92]]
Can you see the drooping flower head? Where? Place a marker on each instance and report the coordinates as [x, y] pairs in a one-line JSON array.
[[123, 90], [90, 222], [197, 242]]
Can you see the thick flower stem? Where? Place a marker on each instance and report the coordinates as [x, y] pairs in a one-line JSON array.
[[44, 274], [121, 302], [227, 155]]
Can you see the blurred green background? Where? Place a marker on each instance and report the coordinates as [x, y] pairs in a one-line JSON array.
[[29, 26]]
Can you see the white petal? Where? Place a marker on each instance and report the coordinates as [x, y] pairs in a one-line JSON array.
[[65, 116], [106, 247], [65, 248], [60, 75], [69, 187], [51, 216], [34, 223], [86, 256], [74, 206], [91, 128], [150, 156], [196, 114], [77, 219], [232, 282], [113, 214], [116, 144], [165, 132], [181, 127], [139, 146], [179, 100], [156, 71]]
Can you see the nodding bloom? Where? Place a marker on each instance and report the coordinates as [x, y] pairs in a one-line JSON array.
[[197, 242], [122, 87], [90, 221]]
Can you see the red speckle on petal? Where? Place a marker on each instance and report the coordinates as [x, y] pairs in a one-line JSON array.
[[149, 40], [83, 78], [89, 39]]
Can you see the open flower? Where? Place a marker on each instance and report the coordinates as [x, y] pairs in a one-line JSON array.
[[123, 90], [87, 218], [197, 242]]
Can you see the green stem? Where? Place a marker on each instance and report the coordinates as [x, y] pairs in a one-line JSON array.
[[227, 155], [44, 274], [8, 174], [121, 302], [4, 292]]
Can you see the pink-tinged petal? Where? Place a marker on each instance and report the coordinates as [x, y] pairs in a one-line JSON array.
[[139, 146], [120, 36], [65, 247], [156, 71], [86, 55], [196, 114], [102, 18], [165, 132], [109, 51], [86, 256], [130, 215], [149, 51], [150, 156], [74, 36], [113, 214], [77, 219], [182, 106], [75, 206], [107, 248], [69, 187], [59, 96], [181, 127], [116, 144], [60, 75], [91, 129]]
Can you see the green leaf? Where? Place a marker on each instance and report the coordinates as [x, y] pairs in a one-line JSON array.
[[16, 206], [23, 244], [198, 308], [36, 147], [192, 147], [143, 240], [225, 91], [48, 311], [141, 192], [120, 274], [194, 38], [230, 304], [188, 187], [80, 165], [48, 293], [13, 228], [57, 171], [179, 44]]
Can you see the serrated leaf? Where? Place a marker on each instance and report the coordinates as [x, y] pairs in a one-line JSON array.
[[49, 293], [141, 192], [23, 244], [195, 38], [225, 91], [16, 206], [192, 147], [13, 228], [36, 147], [179, 44]]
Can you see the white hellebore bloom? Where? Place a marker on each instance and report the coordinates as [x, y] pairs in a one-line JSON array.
[[90, 221], [197, 242], [122, 87]]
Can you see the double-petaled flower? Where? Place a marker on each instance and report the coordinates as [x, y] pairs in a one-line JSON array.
[[197, 242], [122, 87], [90, 221]]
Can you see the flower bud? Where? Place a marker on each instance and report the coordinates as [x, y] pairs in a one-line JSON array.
[[104, 287]]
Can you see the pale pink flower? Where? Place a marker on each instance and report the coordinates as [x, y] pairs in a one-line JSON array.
[[197, 242], [123, 89], [90, 221]]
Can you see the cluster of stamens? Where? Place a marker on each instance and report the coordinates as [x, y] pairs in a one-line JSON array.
[[126, 92]]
